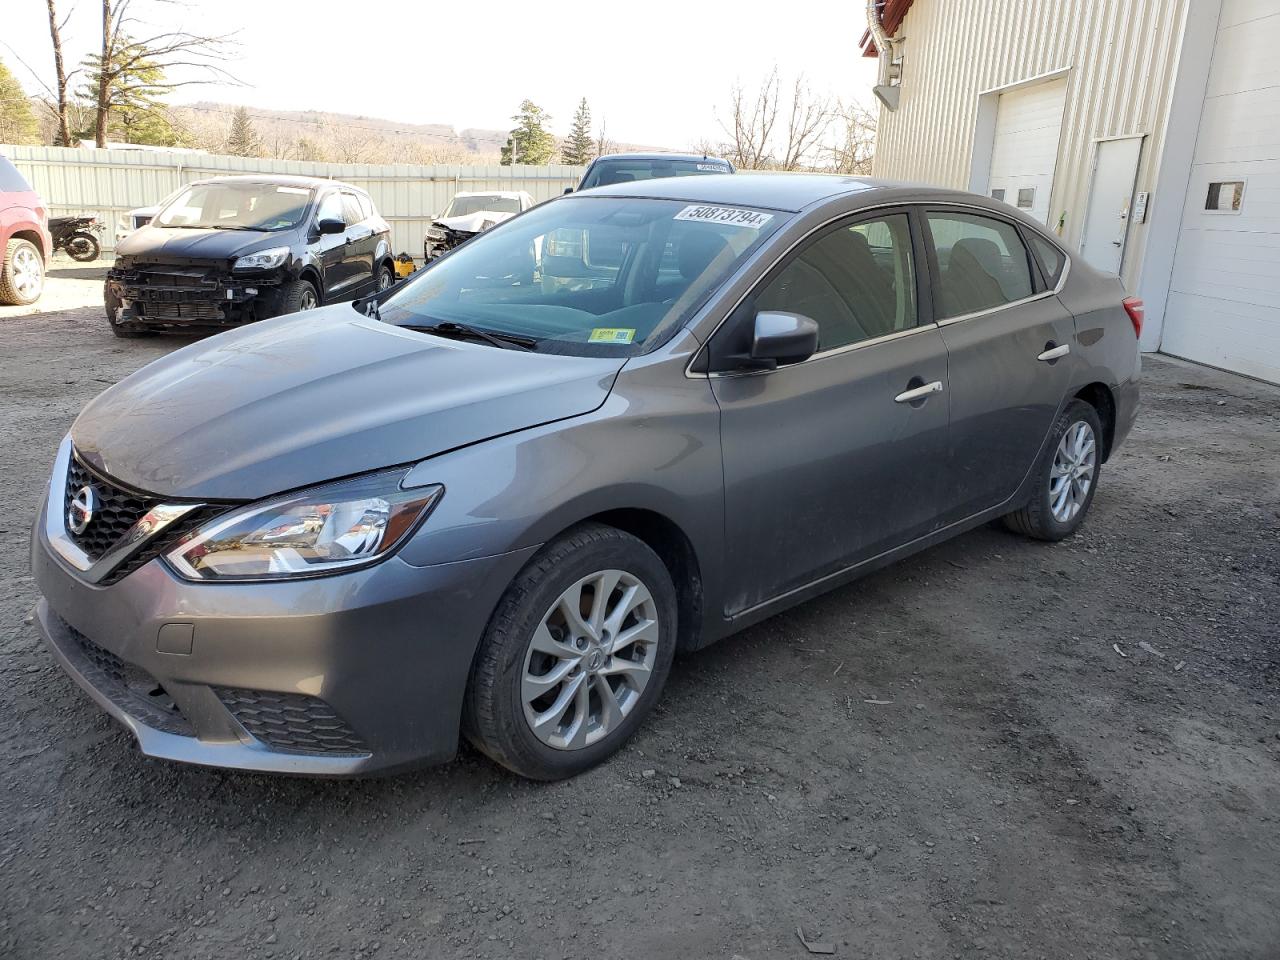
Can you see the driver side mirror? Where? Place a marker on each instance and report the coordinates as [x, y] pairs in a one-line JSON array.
[[568, 189], [782, 338], [332, 225]]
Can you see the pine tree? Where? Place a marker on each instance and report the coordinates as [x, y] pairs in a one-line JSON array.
[[530, 141], [17, 119], [243, 140], [579, 147], [135, 112]]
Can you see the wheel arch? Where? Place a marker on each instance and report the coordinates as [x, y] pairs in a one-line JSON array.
[[310, 274], [1099, 396], [673, 546], [32, 237]]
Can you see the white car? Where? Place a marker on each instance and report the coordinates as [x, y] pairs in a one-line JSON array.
[[470, 213], [133, 220]]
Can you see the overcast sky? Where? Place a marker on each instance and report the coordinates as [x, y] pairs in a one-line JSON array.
[[659, 74]]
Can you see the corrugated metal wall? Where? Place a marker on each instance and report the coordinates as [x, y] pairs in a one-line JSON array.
[[1120, 58], [106, 183]]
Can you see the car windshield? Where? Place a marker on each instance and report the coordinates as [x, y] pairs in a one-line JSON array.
[[605, 172], [236, 206], [586, 276], [486, 203]]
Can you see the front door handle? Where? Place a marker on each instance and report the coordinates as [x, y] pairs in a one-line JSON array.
[[919, 393], [1053, 353]]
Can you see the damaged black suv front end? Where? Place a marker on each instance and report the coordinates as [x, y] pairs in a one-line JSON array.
[[174, 293]]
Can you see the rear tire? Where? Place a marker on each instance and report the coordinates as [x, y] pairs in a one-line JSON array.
[[517, 711], [21, 273], [83, 247], [1066, 476], [129, 329], [386, 277]]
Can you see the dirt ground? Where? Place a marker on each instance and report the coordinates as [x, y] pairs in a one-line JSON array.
[[996, 749]]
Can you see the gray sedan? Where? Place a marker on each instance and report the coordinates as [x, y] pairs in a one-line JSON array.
[[496, 500]]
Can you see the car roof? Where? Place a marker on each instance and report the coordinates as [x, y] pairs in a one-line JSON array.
[[792, 192], [506, 194], [282, 180], [659, 156]]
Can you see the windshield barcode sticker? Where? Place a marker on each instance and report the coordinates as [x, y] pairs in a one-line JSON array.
[[713, 167], [733, 216]]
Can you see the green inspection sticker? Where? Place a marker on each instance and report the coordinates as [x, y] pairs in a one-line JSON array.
[[612, 335]]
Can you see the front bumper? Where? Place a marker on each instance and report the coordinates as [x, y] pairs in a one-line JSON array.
[[340, 676], [178, 298]]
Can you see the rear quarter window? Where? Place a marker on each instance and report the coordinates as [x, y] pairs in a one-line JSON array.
[[1052, 260], [11, 181]]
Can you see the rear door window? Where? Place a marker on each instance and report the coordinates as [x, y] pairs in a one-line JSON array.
[[982, 263], [11, 181]]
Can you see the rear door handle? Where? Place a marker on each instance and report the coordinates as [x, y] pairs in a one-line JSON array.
[[919, 393], [1053, 353]]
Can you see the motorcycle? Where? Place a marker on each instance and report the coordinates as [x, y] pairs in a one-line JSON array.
[[76, 236]]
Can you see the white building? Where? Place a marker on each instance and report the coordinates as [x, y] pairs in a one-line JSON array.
[[1145, 132]]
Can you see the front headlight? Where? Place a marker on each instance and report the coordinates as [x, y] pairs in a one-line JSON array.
[[262, 260], [341, 525]]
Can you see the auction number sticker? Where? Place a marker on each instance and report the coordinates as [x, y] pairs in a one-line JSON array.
[[612, 335], [733, 216], [713, 168]]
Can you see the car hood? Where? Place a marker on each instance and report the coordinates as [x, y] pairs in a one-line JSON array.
[[315, 396], [181, 243], [474, 222]]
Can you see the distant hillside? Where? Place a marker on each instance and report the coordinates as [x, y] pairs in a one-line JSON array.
[[346, 138]]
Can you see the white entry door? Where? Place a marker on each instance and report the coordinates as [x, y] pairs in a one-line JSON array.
[[1106, 225]]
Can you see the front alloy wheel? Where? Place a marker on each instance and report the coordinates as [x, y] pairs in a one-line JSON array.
[[575, 655], [590, 659]]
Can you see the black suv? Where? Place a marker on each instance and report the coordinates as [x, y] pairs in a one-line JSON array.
[[231, 250]]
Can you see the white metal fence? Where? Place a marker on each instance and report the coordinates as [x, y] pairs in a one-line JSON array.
[[107, 183]]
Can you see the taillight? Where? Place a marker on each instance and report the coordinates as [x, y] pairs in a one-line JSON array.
[[1134, 308]]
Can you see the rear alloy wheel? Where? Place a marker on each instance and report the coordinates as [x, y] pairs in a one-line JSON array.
[[1067, 476], [386, 277], [575, 656], [21, 274]]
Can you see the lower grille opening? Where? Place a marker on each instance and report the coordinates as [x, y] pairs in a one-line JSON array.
[[292, 722], [129, 687]]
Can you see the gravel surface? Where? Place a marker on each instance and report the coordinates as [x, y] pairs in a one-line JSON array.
[[998, 748]]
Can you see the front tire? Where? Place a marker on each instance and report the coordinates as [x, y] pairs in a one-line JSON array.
[[21, 273], [1066, 476], [127, 330], [386, 277], [298, 296], [575, 656]]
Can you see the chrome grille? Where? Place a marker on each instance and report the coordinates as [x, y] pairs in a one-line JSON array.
[[118, 510]]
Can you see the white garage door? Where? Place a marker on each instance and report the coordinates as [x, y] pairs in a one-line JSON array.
[[1025, 150], [1224, 299]]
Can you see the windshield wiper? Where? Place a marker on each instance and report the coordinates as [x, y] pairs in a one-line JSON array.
[[460, 331]]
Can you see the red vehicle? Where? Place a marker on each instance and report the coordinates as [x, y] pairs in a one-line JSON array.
[[25, 244]]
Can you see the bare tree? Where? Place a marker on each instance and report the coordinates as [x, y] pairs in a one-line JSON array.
[[853, 142], [603, 144], [808, 118], [122, 55], [62, 78], [751, 123]]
